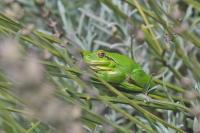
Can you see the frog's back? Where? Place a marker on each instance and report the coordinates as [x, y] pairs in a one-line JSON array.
[[124, 61]]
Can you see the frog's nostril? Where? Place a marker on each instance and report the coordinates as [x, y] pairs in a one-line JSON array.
[[84, 53], [81, 53]]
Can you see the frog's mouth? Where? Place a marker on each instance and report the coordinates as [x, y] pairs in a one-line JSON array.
[[100, 68], [99, 65]]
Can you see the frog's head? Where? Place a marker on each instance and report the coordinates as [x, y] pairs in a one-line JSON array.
[[112, 67], [98, 60]]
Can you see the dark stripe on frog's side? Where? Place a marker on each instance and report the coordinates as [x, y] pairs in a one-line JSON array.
[[111, 59]]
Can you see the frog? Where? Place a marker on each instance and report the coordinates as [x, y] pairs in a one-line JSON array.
[[118, 68]]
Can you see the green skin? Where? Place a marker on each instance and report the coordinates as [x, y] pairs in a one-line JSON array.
[[117, 68]]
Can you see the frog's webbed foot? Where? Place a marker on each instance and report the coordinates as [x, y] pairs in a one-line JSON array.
[[144, 97]]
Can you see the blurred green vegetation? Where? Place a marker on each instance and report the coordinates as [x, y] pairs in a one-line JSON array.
[[45, 87]]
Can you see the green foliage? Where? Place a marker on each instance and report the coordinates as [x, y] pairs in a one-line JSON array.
[[46, 87]]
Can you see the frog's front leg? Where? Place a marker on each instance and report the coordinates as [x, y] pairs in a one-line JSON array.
[[142, 79], [112, 75], [120, 78]]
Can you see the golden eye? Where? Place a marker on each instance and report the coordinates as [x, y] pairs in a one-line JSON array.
[[101, 54]]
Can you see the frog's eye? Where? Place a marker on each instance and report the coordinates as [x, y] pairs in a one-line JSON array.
[[101, 54]]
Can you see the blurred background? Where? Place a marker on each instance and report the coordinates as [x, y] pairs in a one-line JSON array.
[[46, 87]]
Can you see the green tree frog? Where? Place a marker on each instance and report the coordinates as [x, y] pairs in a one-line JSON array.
[[117, 68]]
